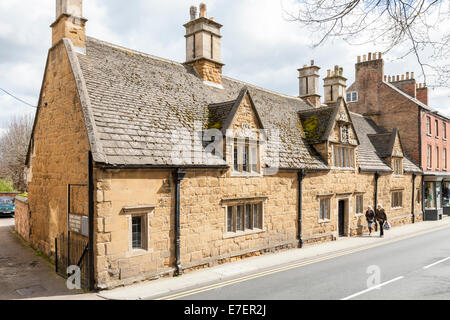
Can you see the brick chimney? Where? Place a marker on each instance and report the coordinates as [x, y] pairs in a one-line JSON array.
[[203, 49], [406, 83], [422, 93], [69, 23], [309, 84], [335, 85]]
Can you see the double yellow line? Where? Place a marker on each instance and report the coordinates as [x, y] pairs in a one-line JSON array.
[[293, 266]]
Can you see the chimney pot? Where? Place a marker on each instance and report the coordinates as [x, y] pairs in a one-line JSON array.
[[364, 58], [398, 78], [403, 77], [312, 62], [380, 55], [374, 55], [412, 75], [202, 10], [407, 76], [385, 78], [359, 59], [370, 56], [193, 12]]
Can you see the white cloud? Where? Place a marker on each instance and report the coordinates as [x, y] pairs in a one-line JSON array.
[[259, 45]]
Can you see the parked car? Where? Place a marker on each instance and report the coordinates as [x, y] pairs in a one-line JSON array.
[[7, 206]]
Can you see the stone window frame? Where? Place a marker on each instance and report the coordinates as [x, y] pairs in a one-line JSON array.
[[353, 157], [146, 212], [239, 144], [359, 195], [243, 202], [327, 198], [393, 192], [397, 166]]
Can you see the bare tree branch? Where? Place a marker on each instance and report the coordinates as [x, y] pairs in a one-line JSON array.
[[419, 27]]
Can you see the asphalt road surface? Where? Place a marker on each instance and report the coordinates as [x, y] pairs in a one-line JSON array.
[[415, 268]]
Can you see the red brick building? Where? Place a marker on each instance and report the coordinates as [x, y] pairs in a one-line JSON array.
[[400, 102]]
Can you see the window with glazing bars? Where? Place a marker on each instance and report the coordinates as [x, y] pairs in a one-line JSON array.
[[137, 232]]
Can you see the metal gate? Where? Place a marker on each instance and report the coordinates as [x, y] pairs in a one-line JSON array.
[[72, 247], [72, 252]]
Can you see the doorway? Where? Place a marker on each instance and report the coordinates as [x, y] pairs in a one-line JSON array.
[[341, 219]]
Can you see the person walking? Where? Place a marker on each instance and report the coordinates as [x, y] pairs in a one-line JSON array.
[[381, 217], [370, 217]]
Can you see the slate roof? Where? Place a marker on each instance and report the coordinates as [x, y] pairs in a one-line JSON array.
[[138, 100], [368, 158], [316, 123], [134, 103], [376, 144], [382, 143]]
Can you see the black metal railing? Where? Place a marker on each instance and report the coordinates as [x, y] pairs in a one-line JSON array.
[[72, 252]]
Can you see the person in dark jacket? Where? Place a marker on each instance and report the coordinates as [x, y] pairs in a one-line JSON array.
[[370, 217], [381, 217]]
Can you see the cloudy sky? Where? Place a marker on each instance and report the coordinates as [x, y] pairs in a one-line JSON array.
[[259, 45]]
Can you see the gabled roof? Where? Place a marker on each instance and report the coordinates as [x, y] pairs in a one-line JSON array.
[[368, 157], [376, 145], [318, 123], [221, 115], [416, 101], [137, 101]]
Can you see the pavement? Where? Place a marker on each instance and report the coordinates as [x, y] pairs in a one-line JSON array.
[[24, 274], [239, 277], [305, 273]]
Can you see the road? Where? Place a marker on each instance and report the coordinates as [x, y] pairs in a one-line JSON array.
[[415, 268]]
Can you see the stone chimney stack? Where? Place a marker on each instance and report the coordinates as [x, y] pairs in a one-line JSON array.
[[309, 84], [335, 85], [203, 48], [69, 23]]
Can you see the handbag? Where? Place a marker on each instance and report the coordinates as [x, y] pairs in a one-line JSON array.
[[387, 225]]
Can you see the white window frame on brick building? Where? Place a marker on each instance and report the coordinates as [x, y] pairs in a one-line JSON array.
[[429, 157], [444, 159], [428, 126], [144, 213], [352, 96], [397, 199], [244, 216], [437, 158], [246, 157], [324, 209]]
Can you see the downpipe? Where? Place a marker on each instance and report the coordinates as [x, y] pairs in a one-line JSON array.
[[178, 177], [301, 175]]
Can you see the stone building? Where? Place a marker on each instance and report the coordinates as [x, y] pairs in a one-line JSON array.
[[175, 166], [400, 102]]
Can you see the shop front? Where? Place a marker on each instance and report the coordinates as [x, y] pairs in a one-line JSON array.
[[436, 197]]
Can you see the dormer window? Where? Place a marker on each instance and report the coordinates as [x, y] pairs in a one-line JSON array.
[[397, 164], [245, 156]]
